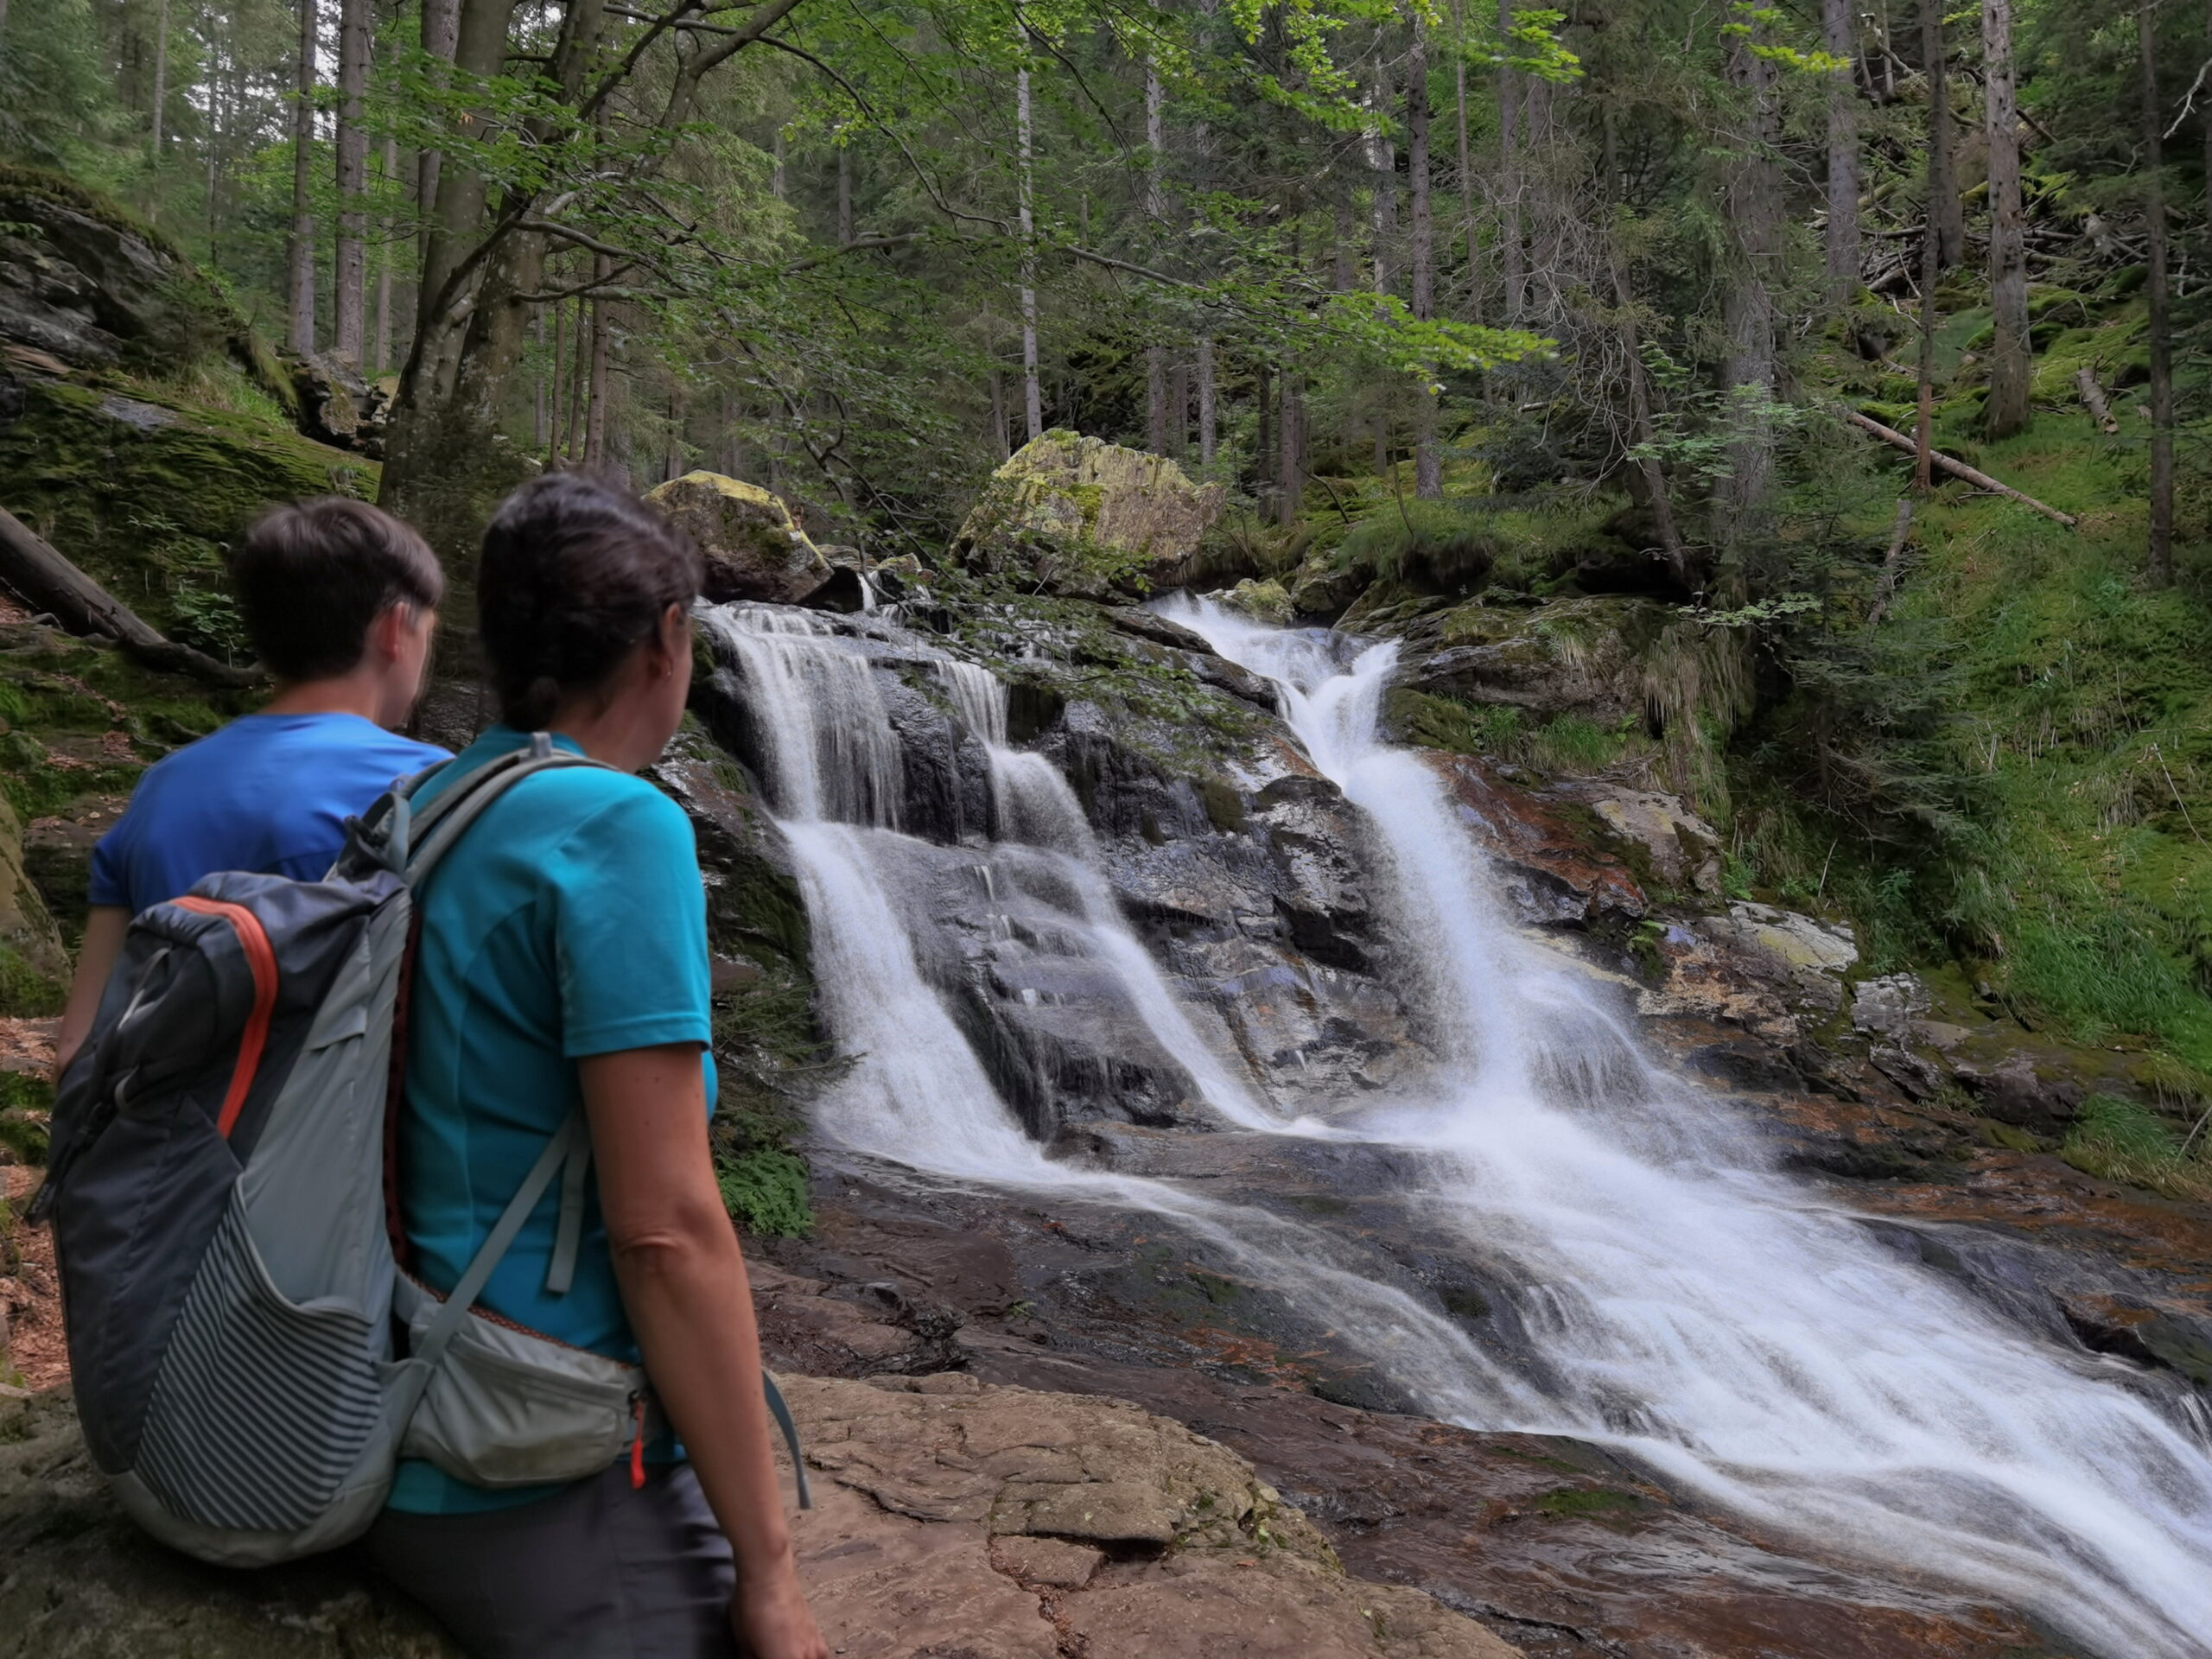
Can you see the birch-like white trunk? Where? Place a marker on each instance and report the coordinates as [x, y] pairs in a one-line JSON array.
[[350, 269], [1032, 401], [301, 337]]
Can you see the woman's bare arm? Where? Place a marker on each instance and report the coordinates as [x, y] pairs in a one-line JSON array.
[[682, 1277], [103, 931]]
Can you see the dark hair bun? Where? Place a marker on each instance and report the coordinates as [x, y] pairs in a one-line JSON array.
[[576, 573]]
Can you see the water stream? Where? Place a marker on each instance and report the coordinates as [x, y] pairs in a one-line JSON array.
[[1725, 1325]]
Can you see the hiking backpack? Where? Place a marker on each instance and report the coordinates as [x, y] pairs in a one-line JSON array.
[[250, 1360]]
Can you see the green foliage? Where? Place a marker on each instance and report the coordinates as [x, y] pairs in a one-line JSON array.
[[765, 1190], [2121, 1139], [24, 1103]]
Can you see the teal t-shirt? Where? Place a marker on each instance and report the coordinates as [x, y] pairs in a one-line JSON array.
[[569, 921]]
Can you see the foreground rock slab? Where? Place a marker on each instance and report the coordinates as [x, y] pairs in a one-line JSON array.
[[953, 1519], [1005, 1523]]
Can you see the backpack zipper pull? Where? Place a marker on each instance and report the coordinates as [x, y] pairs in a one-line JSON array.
[[638, 1446]]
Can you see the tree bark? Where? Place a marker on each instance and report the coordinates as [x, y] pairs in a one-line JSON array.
[[2006, 411], [1648, 479], [2161, 562], [350, 269], [844, 196], [1466, 165], [161, 74], [386, 244], [1383, 169], [541, 404], [301, 336], [1752, 185], [1155, 208], [2093, 399], [1429, 460], [1290, 473], [1510, 259], [1208, 415], [1033, 401], [1945, 211], [1925, 426], [602, 342], [1840, 25], [440, 28]]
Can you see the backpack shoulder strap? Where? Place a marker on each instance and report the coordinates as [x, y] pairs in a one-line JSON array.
[[434, 830]]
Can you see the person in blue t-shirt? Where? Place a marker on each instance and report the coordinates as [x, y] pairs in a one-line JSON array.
[[340, 600], [563, 961]]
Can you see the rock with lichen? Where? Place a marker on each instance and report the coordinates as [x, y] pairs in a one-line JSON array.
[[753, 549], [1084, 518]]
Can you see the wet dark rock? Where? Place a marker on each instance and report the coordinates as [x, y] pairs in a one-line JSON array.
[[2018, 1091], [339, 405], [1554, 871]]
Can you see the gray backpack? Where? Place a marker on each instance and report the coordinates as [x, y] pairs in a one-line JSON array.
[[250, 1360]]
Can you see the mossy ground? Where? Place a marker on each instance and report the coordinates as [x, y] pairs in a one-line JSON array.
[[144, 483]]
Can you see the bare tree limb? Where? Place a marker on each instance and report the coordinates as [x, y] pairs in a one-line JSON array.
[[1958, 468]]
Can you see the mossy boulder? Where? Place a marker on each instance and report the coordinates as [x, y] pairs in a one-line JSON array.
[[144, 492], [754, 550], [1263, 601], [1084, 518], [1324, 587]]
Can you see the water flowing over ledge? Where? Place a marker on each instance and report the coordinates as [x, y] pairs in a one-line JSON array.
[[1684, 1302]]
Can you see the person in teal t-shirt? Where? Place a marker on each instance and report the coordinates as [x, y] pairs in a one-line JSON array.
[[563, 959]]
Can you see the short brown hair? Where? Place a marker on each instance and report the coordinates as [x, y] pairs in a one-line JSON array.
[[311, 575], [575, 574]]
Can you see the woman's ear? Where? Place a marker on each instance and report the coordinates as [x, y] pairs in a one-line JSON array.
[[675, 640]]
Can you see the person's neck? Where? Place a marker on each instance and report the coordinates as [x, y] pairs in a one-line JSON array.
[[612, 735], [346, 694]]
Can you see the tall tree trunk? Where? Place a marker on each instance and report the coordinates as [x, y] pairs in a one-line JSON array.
[[602, 343], [1510, 260], [1466, 165], [998, 416], [350, 271], [161, 76], [440, 28], [1841, 23], [541, 403], [844, 196], [1032, 400], [2161, 564], [2007, 409], [1345, 275], [1429, 460], [301, 336], [1925, 421], [1290, 473], [1753, 187], [1263, 448], [1208, 416], [1944, 206], [1155, 208], [1382, 167], [387, 242], [1647, 482]]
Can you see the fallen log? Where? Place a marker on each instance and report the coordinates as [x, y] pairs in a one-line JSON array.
[[2093, 399], [31, 565], [1892, 563], [1980, 481]]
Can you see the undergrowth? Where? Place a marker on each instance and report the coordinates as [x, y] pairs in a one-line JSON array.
[[2120, 1140]]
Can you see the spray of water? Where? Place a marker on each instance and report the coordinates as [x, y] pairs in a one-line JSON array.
[[1687, 1305]]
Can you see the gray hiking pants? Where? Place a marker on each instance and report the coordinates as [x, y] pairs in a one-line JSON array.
[[602, 1571]]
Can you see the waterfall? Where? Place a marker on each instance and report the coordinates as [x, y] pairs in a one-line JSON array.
[[1718, 1321], [1695, 1309]]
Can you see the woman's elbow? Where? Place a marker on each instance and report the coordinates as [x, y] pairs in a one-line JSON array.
[[672, 1241]]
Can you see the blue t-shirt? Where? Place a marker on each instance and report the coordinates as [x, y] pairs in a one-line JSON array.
[[570, 920], [268, 793]]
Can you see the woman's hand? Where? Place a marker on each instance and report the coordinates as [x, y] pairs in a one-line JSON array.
[[772, 1619]]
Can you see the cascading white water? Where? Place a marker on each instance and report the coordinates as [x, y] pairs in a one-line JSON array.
[[1688, 1305], [1716, 1319]]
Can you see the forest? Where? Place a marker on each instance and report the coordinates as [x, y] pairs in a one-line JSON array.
[[1620, 299], [1470, 746]]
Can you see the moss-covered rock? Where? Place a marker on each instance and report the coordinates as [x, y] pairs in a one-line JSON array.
[[1263, 601], [33, 963], [87, 284], [753, 549], [144, 490], [1083, 517]]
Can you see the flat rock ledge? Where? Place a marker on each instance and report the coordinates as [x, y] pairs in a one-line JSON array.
[[954, 1521]]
